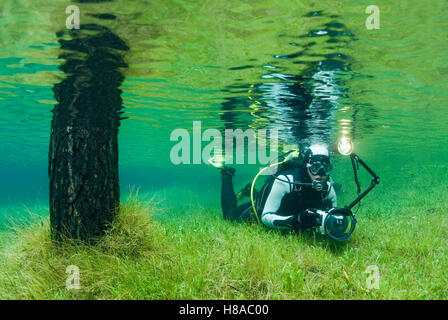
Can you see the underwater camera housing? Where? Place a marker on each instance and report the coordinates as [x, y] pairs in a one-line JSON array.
[[337, 223]]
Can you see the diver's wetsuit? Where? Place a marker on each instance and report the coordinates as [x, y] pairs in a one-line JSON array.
[[282, 204]]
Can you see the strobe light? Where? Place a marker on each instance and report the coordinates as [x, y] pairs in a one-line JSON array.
[[345, 146]]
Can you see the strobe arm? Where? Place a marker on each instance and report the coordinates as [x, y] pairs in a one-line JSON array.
[[375, 179]]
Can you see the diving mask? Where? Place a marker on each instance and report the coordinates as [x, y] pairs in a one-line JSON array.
[[324, 168]]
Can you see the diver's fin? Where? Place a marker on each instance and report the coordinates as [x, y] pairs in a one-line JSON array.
[[218, 162], [245, 192]]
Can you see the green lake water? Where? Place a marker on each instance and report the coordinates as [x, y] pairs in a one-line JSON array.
[[310, 69]]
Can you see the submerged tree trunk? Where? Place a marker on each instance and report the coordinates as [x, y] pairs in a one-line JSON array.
[[84, 185], [83, 157]]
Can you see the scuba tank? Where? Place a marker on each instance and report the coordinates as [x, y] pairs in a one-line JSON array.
[[286, 161]]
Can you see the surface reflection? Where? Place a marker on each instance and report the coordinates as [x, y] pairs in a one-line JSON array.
[[301, 106]]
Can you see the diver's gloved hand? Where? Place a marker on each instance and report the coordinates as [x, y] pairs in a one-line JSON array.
[[290, 222], [328, 204], [309, 219]]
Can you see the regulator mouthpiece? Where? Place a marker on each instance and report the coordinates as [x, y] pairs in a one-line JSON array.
[[318, 185]]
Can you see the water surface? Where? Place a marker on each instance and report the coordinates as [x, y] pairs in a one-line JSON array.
[[310, 69]]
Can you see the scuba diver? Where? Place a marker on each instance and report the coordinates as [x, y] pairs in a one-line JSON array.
[[285, 199], [302, 195]]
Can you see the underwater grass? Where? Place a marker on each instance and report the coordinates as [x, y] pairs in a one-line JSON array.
[[154, 251], [201, 256]]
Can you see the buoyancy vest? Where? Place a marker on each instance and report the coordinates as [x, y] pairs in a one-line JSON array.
[[299, 198]]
